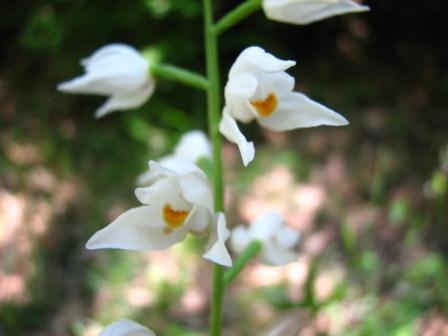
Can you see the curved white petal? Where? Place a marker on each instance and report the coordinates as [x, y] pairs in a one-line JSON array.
[[239, 239], [274, 255], [198, 221], [298, 111], [126, 328], [230, 130], [196, 190], [308, 11], [126, 101], [137, 229], [215, 249], [282, 82], [287, 237], [163, 191], [277, 239], [175, 166], [255, 59], [239, 89], [266, 226], [119, 49], [111, 76], [192, 146]]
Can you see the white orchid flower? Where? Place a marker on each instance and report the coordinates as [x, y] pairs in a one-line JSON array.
[[277, 239], [118, 71], [192, 146], [307, 11], [259, 88], [178, 201], [126, 328]]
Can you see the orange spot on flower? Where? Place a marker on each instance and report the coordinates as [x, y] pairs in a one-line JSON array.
[[174, 218], [265, 107]]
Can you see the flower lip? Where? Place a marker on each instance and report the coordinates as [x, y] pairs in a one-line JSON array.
[[174, 218], [265, 107]]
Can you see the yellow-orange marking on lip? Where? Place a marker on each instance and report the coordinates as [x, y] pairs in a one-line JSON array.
[[174, 218], [265, 107]]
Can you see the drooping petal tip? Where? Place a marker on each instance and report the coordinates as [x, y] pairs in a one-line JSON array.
[[215, 249], [229, 128]]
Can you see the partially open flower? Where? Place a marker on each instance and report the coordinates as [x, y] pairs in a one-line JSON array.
[[115, 70], [277, 239], [192, 146], [308, 11], [126, 328], [259, 88], [178, 201]]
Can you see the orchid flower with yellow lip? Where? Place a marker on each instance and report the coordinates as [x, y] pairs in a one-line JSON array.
[[259, 88], [307, 11], [277, 239], [126, 328], [118, 71], [178, 201]]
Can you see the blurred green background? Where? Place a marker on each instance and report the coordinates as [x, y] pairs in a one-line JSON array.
[[373, 256]]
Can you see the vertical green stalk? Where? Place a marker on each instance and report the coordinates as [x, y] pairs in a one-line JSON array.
[[214, 109]]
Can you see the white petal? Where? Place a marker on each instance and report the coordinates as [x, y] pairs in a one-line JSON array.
[[126, 101], [198, 221], [239, 238], [230, 130], [196, 190], [192, 146], [275, 255], [287, 237], [123, 50], [298, 111], [308, 11], [163, 192], [239, 89], [282, 82], [215, 249], [264, 227], [175, 166], [137, 229], [255, 59], [126, 328]]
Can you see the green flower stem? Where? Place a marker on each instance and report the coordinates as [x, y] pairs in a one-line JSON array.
[[214, 116], [249, 252], [180, 75], [238, 14]]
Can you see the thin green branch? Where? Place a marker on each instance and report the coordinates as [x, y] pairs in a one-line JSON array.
[[181, 75], [249, 252], [235, 16]]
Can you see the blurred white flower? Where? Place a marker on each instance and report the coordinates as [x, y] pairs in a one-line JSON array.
[[192, 146], [178, 201], [118, 71], [259, 88], [308, 11], [126, 328], [277, 239]]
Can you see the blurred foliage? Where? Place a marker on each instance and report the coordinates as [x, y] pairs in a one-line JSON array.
[[385, 71]]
